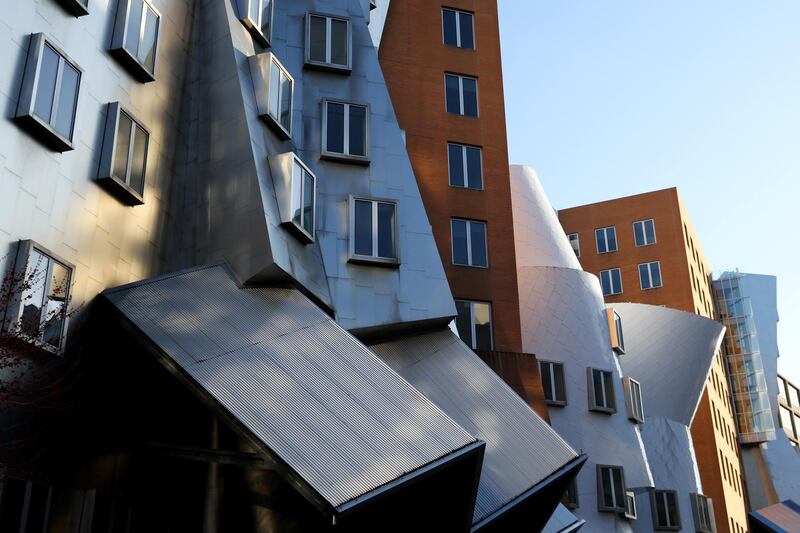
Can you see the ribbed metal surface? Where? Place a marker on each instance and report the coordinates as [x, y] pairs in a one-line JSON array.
[[521, 449], [305, 388]]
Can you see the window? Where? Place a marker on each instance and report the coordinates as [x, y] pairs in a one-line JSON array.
[[575, 242], [615, 328], [274, 89], [77, 8], [256, 15], [373, 230], [135, 41], [601, 391], [650, 275], [555, 392], [461, 95], [345, 131], [474, 323], [465, 166], [611, 281], [570, 498], [49, 97], [24, 506], [665, 510], [630, 505], [328, 42], [469, 243], [123, 161], [633, 400], [606, 239], [40, 313], [458, 28], [611, 488], [644, 232]]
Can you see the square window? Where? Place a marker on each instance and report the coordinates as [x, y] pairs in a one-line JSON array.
[[469, 243], [49, 98], [461, 95], [373, 231], [345, 131], [666, 516], [650, 275], [274, 89], [611, 492], [135, 40], [465, 166], [601, 391], [474, 324], [40, 312], [555, 391], [328, 42], [633, 400], [76, 8], [606, 240], [611, 281], [644, 232], [458, 28], [256, 15], [575, 242], [123, 161]]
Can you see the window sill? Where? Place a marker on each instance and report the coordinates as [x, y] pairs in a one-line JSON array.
[[603, 411], [45, 133], [461, 187], [21, 343], [615, 510], [256, 32], [344, 158], [374, 261], [645, 245], [132, 65], [608, 252], [299, 232], [462, 115], [277, 127], [74, 7], [556, 403], [329, 67], [121, 190], [635, 420], [667, 528], [652, 288], [618, 350]]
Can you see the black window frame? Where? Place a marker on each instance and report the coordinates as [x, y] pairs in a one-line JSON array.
[[618, 499], [663, 495]]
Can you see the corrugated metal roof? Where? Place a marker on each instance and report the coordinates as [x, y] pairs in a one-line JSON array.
[[521, 448], [783, 517], [304, 387]]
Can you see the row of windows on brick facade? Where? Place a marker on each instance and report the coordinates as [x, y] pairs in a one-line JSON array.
[[644, 234], [649, 278], [613, 496]]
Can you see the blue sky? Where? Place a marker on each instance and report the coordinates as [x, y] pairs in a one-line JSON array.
[[611, 98]]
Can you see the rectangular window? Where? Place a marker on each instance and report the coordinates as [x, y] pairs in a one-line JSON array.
[[650, 275], [24, 506], [601, 391], [280, 92], [615, 329], [328, 42], [49, 97], [469, 243], [345, 131], [458, 28], [46, 282], [606, 239], [465, 166], [644, 232], [611, 281], [304, 188], [373, 230], [702, 511], [630, 505], [474, 324], [461, 95], [135, 41], [633, 400], [123, 160], [575, 242], [77, 8], [610, 489], [256, 15], [665, 510], [570, 499], [555, 392]]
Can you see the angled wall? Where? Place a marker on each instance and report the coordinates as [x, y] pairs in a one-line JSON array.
[[563, 320]]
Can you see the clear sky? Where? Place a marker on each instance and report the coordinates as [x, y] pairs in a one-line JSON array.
[[608, 98]]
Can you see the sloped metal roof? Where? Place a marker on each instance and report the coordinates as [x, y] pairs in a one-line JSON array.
[[783, 517], [563, 521], [521, 448], [310, 393], [670, 353]]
